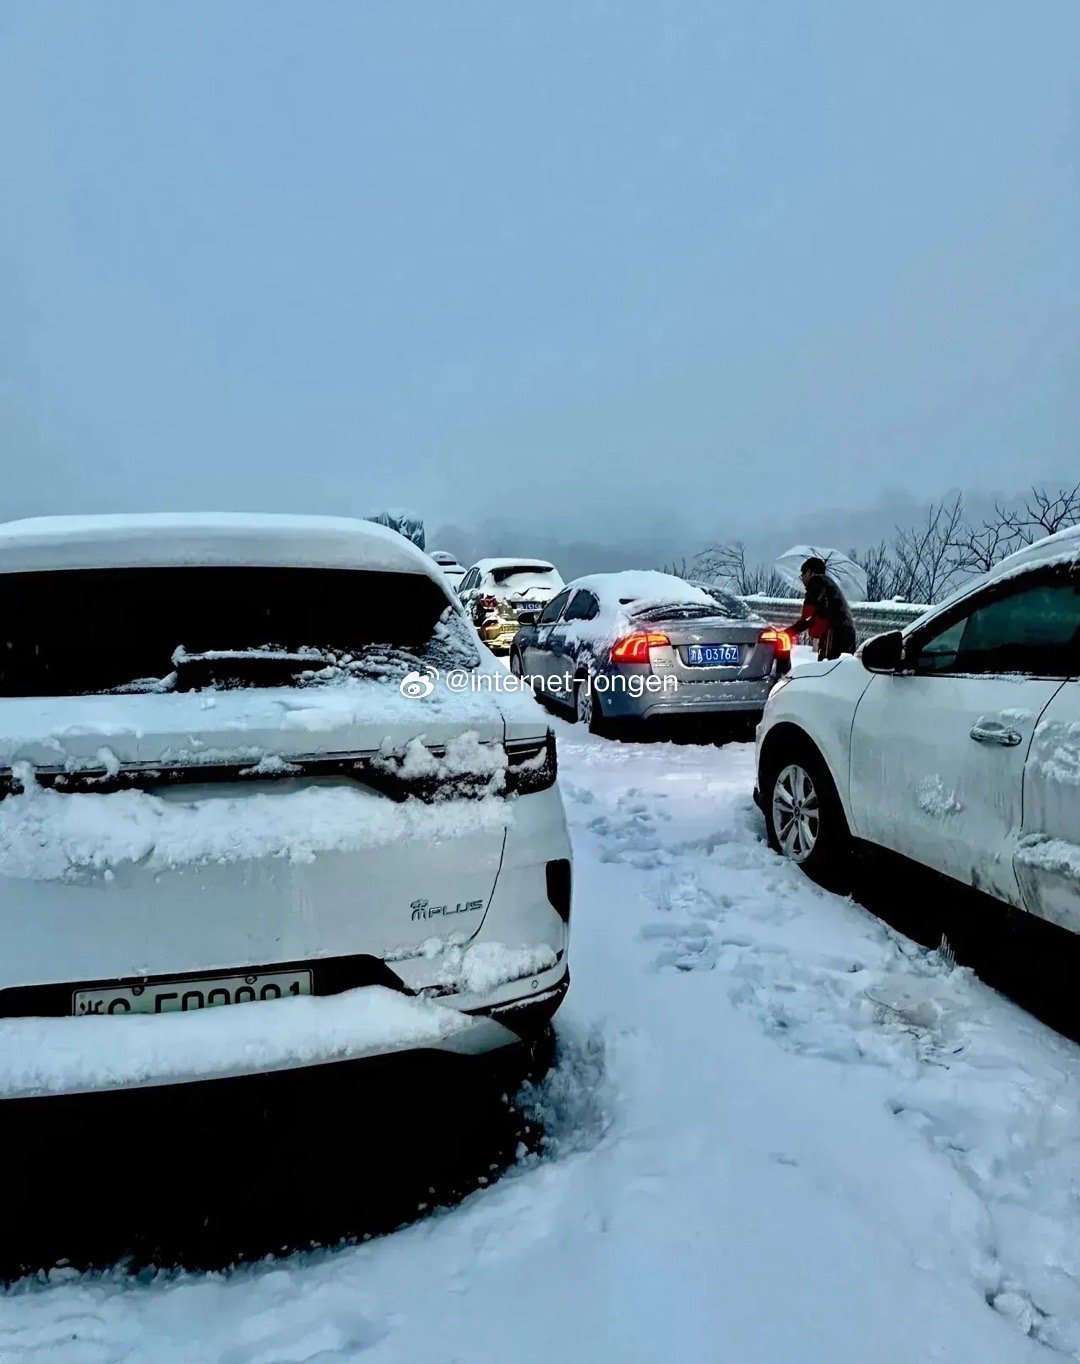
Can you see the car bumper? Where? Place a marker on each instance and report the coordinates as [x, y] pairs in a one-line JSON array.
[[465, 1000], [689, 699], [500, 643], [56, 1057]]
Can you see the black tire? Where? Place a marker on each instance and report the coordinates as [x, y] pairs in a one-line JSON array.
[[804, 818], [517, 663], [586, 705]]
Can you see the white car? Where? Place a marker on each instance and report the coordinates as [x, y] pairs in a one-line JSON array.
[[450, 566], [955, 744], [524, 584], [497, 593], [232, 773]]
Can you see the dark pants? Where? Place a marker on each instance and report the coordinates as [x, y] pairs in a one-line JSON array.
[[840, 640]]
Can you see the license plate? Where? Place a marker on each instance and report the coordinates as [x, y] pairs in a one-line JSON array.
[[524, 606], [181, 996], [713, 655]]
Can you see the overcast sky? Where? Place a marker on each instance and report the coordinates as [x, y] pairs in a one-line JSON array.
[[619, 264]]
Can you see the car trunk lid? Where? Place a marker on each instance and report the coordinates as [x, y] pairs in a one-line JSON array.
[[709, 649], [157, 834]]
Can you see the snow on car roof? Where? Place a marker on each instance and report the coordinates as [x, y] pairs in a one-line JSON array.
[[641, 586], [243, 539], [1061, 547], [486, 565]]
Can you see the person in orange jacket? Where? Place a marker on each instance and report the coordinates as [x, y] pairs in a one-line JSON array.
[[826, 617]]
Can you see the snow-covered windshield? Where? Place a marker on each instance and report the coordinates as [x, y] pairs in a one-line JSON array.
[[524, 578], [678, 610], [732, 606], [78, 631]]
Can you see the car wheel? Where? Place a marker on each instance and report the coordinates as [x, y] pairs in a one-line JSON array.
[[517, 665], [586, 707], [805, 819]]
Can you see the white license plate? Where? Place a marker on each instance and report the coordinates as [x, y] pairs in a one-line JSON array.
[[181, 996]]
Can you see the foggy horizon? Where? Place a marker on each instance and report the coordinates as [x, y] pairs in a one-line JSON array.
[[605, 276]]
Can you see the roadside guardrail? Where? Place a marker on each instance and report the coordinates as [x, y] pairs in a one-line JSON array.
[[871, 617]]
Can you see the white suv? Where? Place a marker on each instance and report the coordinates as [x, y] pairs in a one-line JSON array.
[[955, 744], [232, 772]]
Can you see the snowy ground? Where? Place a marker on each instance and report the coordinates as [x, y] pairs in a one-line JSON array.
[[779, 1132]]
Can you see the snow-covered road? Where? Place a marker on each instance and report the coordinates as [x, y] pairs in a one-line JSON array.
[[778, 1132]]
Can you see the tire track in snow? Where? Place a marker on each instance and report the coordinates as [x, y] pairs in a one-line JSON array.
[[985, 1086]]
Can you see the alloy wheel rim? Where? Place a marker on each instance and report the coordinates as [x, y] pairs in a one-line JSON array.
[[796, 812], [584, 701]]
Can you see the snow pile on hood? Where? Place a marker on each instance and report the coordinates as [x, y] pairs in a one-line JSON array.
[[65, 1055], [49, 836]]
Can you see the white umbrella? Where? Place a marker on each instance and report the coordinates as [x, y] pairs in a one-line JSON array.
[[849, 576]]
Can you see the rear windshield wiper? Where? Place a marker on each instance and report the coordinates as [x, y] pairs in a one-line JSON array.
[[246, 667]]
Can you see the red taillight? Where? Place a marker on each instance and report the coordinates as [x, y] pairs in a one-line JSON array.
[[635, 648], [488, 603], [780, 639]]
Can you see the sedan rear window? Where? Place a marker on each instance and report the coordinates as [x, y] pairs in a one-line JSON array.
[[676, 610], [77, 631], [731, 605]]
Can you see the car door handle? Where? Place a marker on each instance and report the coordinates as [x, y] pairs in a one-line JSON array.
[[984, 733]]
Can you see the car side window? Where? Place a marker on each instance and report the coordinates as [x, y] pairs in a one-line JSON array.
[[583, 607], [468, 581], [554, 606], [1031, 627]]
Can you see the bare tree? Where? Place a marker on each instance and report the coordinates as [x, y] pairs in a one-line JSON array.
[[679, 568], [728, 564], [1046, 510], [976, 549], [722, 563], [880, 567], [1042, 512], [924, 554]]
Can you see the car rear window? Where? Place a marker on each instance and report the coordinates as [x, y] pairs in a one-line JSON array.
[[731, 606], [506, 577], [677, 610], [77, 631]]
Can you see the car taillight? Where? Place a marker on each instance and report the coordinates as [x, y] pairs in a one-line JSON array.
[[488, 603], [635, 648], [779, 639]]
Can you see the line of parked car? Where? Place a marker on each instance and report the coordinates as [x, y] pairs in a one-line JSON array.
[[618, 649], [216, 789], [954, 743]]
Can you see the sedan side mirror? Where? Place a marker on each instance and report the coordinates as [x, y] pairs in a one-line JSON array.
[[529, 618], [883, 653]]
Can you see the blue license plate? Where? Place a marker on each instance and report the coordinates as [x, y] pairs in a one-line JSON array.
[[524, 606], [713, 655]]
